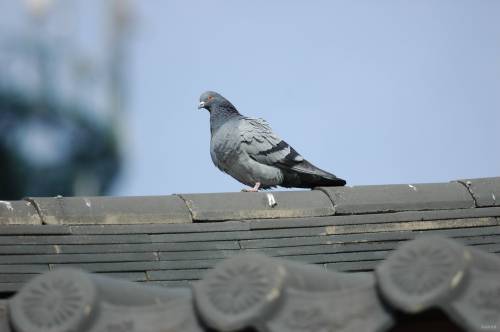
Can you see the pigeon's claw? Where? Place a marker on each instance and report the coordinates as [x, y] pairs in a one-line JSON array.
[[252, 190]]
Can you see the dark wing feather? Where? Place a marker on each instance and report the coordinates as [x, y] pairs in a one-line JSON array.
[[264, 146]]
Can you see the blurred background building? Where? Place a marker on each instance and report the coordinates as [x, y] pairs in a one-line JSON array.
[[61, 99]]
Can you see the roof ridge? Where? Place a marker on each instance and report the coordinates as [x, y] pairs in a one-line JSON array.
[[216, 207]]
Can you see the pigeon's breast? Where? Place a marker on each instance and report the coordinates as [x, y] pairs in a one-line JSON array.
[[225, 147], [228, 155]]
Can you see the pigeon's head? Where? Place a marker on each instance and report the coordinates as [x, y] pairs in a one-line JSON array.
[[211, 99]]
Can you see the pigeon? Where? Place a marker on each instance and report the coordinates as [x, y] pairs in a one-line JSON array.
[[248, 150]]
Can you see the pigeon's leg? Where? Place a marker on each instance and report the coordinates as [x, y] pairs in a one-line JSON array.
[[254, 189]]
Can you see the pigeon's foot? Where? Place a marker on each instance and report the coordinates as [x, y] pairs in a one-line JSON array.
[[252, 190]]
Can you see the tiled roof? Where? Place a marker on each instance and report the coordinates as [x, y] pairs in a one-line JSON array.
[[172, 240], [251, 292]]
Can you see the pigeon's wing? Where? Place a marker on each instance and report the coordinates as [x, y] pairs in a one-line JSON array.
[[264, 146]]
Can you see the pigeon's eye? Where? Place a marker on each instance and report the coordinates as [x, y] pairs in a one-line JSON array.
[[209, 97]]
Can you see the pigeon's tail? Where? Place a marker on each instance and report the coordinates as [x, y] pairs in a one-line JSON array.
[[306, 175]]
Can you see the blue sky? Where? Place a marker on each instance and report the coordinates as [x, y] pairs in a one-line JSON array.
[[376, 92]]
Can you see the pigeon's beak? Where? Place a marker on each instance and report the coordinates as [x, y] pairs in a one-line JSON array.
[[201, 104]]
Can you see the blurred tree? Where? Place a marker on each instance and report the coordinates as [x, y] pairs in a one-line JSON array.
[[51, 143]]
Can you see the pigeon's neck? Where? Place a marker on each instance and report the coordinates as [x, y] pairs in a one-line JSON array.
[[220, 115]]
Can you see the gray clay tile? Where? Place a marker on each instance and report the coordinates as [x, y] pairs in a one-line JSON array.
[[112, 267], [423, 273], [240, 206], [33, 229], [145, 247], [374, 218], [486, 191], [131, 276], [401, 197], [192, 274], [206, 254], [18, 212], [340, 257], [161, 228], [352, 266], [72, 239], [23, 268], [14, 249], [77, 258], [188, 264], [112, 210]]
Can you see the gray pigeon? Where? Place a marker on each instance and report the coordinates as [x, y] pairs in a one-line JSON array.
[[249, 151]]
